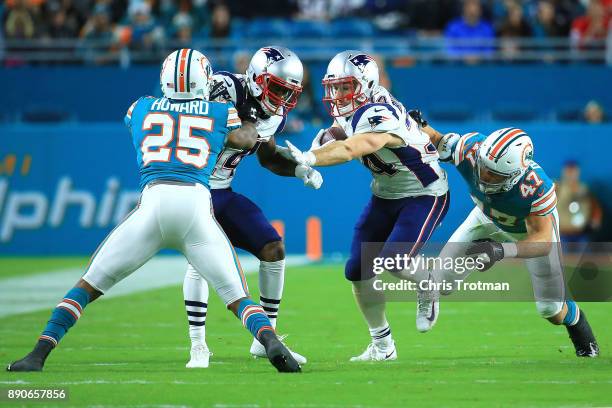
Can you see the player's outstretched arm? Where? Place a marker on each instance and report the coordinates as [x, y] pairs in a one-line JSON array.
[[539, 237], [243, 138], [270, 157], [274, 161], [536, 244], [343, 151]]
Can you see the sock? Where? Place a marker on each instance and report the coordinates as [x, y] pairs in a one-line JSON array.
[[573, 313], [371, 302], [195, 294], [271, 282], [254, 318], [65, 315], [381, 335]]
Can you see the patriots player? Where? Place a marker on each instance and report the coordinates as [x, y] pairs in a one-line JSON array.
[[410, 191], [271, 86], [177, 140], [515, 217]]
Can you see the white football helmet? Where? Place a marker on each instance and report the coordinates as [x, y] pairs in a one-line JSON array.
[[502, 160], [186, 74], [350, 79], [274, 77]]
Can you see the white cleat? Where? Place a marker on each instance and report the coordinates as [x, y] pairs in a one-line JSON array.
[[377, 353], [258, 350], [200, 357], [428, 308]]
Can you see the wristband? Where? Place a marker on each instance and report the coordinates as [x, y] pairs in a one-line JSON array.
[[510, 249]]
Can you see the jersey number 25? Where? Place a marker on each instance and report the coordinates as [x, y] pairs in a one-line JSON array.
[[190, 149]]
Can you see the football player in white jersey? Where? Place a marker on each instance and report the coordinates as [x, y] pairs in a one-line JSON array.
[[266, 93], [410, 191]]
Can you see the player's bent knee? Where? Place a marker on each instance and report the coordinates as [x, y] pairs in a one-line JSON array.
[[352, 271], [272, 252], [93, 292], [192, 273], [550, 310]]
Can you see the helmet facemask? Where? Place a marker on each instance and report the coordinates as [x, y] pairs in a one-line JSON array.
[[494, 182], [278, 96], [343, 96]]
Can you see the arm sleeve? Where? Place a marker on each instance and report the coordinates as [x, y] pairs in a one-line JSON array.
[[463, 145], [128, 116], [546, 200], [233, 121]]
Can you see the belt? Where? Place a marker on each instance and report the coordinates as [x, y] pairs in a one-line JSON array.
[[171, 182]]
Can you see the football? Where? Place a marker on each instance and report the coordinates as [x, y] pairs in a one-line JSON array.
[[333, 133]]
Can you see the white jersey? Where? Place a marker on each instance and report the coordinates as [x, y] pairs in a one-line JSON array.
[[406, 171], [232, 87]]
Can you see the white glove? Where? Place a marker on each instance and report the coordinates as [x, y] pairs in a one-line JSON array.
[[284, 151], [445, 144], [306, 158], [309, 176]]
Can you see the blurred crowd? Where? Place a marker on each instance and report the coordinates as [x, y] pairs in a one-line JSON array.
[[142, 24]]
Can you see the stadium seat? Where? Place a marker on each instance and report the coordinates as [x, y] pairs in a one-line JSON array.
[[449, 113], [514, 112], [309, 29], [351, 28], [45, 114], [268, 30]]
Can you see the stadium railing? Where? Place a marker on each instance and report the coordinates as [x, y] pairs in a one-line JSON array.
[[406, 50]]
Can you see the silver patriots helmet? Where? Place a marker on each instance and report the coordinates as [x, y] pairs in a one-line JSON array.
[[274, 77], [350, 79]]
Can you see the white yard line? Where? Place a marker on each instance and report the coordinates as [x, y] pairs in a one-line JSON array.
[[42, 291]]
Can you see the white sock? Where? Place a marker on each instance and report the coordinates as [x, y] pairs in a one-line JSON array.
[[271, 282], [371, 302], [195, 293], [381, 336]]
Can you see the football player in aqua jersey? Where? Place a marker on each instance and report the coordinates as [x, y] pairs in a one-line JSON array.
[[409, 188], [515, 217], [177, 140], [270, 88]]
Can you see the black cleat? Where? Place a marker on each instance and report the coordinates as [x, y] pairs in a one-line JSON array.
[[34, 361], [28, 363], [583, 338], [278, 354]]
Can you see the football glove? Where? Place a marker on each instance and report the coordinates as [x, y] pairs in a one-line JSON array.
[[248, 111], [417, 116], [494, 251], [306, 158], [309, 176]]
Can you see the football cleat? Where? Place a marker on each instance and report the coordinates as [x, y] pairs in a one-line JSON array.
[[258, 350], [583, 338], [377, 353], [34, 361], [428, 308], [591, 350], [200, 357], [28, 363], [278, 354]]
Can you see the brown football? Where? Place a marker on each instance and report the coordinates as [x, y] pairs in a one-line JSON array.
[[332, 133]]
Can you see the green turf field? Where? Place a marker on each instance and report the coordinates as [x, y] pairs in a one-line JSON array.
[[131, 351]]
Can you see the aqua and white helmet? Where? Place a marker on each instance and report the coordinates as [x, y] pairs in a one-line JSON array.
[[186, 74], [274, 77], [502, 160], [349, 82]]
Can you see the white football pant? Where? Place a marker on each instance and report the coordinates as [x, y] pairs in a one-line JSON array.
[[170, 216]]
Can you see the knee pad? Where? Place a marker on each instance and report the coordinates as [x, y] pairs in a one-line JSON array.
[[549, 309]]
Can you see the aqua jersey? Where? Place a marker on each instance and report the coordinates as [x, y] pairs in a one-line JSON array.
[[179, 140], [533, 194]]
